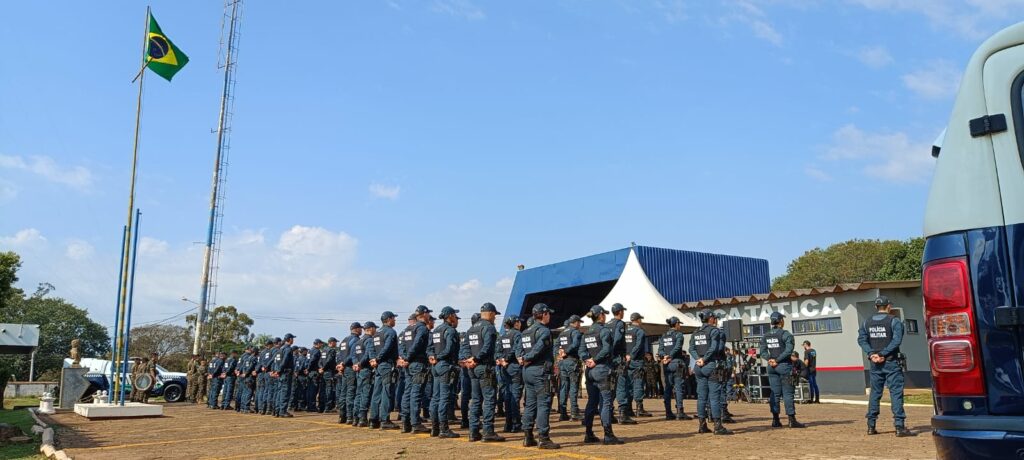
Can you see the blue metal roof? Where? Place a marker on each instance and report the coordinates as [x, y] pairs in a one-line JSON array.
[[680, 276]]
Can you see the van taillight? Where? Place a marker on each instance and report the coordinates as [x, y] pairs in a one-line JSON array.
[[952, 338]]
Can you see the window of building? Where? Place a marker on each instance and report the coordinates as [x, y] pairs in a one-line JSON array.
[[756, 330], [911, 326], [817, 326]]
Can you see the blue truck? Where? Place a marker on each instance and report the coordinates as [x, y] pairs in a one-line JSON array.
[[973, 267], [170, 385]]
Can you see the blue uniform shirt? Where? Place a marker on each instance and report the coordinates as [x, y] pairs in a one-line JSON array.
[[388, 351]]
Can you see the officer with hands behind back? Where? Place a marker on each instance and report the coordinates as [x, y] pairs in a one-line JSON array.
[[880, 338], [707, 345], [777, 347]]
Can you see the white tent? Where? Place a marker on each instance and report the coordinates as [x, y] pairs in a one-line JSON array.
[[636, 292]]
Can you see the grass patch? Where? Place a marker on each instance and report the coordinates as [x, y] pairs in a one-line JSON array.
[[921, 398], [15, 413]]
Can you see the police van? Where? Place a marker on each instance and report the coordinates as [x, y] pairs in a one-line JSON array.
[[973, 272]]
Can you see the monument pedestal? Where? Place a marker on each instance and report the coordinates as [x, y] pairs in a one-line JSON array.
[[128, 410], [73, 385]]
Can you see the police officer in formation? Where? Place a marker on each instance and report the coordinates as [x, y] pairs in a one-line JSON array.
[[327, 396], [246, 380], [569, 342], [478, 355], [215, 375], [385, 376], [511, 373], [283, 372], [707, 346], [597, 353], [777, 347], [636, 348], [362, 355], [880, 337], [347, 375], [535, 354], [314, 378], [676, 367], [415, 341], [618, 378], [444, 357]]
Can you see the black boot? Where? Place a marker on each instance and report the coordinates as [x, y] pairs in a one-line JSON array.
[[492, 437], [375, 424], [475, 436], [702, 428], [464, 423], [388, 425], [528, 440], [446, 432], [614, 419], [590, 437], [517, 426], [669, 415], [795, 424], [727, 418], [435, 429], [420, 428], [609, 437], [719, 429], [640, 412], [776, 423], [563, 416], [547, 443], [362, 423], [682, 415], [903, 432], [406, 426], [624, 417], [871, 429]]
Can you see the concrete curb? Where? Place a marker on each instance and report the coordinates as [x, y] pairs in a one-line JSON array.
[[47, 448], [864, 403]]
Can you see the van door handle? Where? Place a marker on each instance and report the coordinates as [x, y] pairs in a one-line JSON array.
[[1009, 316]]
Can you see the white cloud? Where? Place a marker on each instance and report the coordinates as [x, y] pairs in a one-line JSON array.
[[888, 156], [765, 31], [8, 191], [152, 246], [390, 192], [459, 8], [939, 80], [971, 19], [300, 241], [817, 174], [24, 238], [875, 57], [76, 177], [77, 249], [472, 294], [748, 13]]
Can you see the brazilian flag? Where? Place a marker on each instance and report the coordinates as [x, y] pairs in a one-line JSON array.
[[162, 56]]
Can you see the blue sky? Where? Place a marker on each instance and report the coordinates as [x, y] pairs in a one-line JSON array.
[[386, 154]]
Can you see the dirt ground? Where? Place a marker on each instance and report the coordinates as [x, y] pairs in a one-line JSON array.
[[187, 431]]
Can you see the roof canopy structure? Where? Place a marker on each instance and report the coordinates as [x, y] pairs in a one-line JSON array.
[[18, 339], [644, 279]]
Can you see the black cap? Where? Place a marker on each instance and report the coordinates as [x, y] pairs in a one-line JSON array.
[[448, 311], [413, 316], [278, 340], [575, 319], [473, 319], [566, 323], [489, 307], [318, 342], [431, 318], [332, 339], [882, 301], [542, 308], [387, 315], [369, 324], [511, 320], [423, 309], [616, 308], [355, 325], [672, 321], [635, 316], [269, 342], [596, 311], [776, 317], [289, 336], [705, 315]]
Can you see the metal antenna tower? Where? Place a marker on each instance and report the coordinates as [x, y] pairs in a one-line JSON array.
[[227, 61]]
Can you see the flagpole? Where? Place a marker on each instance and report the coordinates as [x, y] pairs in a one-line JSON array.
[[118, 356]]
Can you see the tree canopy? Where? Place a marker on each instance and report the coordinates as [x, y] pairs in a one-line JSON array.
[[173, 344], [226, 329], [854, 261]]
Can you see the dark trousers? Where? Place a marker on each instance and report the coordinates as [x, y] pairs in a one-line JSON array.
[[383, 390], [215, 386], [780, 378], [481, 407], [568, 385], [412, 399], [537, 405], [285, 389], [888, 374], [709, 391], [599, 396], [440, 401], [229, 392]]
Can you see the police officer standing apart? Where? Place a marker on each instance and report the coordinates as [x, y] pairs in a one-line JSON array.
[[511, 372], [347, 376], [777, 347], [284, 371], [444, 356], [675, 363], [385, 344], [596, 354], [707, 345], [414, 360], [636, 348], [477, 355], [619, 377], [537, 358], [569, 343], [880, 337]]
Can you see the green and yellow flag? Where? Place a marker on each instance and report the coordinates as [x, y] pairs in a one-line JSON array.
[[162, 57]]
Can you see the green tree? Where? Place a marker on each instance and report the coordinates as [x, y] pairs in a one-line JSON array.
[[173, 344], [10, 262], [852, 261], [226, 329]]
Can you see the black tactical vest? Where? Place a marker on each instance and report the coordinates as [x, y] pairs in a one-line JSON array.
[[437, 339], [527, 339], [879, 332], [668, 342], [475, 336], [773, 341], [343, 351], [618, 348], [359, 350], [701, 341], [565, 340], [506, 342], [592, 340], [378, 341], [407, 336]]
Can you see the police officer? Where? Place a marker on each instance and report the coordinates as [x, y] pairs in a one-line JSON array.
[[215, 374], [477, 355], [314, 374], [266, 359], [535, 354], [569, 342], [511, 373], [297, 398], [707, 345], [596, 353], [385, 343], [880, 336], [636, 348], [676, 366], [415, 341], [619, 377], [347, 375], [284, 370], [246, 380], [327, 397], [230, 366], [465, 377], [444, 357], [361, 356], [777, 347], [401, 370]]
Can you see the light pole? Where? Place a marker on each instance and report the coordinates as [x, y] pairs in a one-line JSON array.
[[199, 319]]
